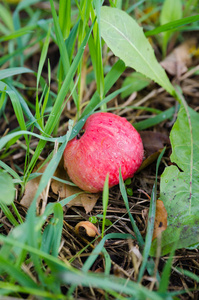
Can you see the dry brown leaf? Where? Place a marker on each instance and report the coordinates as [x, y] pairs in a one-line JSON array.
[[179, 59], [99, 270], [149, 160], [86, 200], [31, 189], [153, 141], [160, 219], [91, 229]]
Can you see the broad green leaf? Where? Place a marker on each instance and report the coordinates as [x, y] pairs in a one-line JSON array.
[[171, 11], [7, 189], [127, 41], [179, 188], [137, 81]]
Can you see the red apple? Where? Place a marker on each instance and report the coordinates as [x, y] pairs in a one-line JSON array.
[[107, 143]]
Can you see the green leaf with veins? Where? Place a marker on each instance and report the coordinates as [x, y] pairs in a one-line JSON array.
[[179, 186], [126, 39]]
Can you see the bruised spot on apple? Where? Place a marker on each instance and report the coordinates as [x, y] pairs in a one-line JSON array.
[[105, 143]]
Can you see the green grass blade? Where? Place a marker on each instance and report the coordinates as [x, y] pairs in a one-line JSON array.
[[109, 283], [16, 273], [107, 261], [125, 198], [110, 80], [26, 110], [43, 56], [65, 17], [51, 237], [13, 71], [174, 26], [167, 114], [63, 51], [4, 140], [8, 214], [70, 41], [105, 198], [151, 220], [98, 49], [18, 33], [92, 108], [164, 280], [10, 56], [91, 259], [47, 175], [10, 171], [58, 225], [16, 105], [58, 106], [6, 17], [41, 64], [189, 274]]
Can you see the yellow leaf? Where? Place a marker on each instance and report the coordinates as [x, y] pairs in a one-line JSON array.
[[160, 219]]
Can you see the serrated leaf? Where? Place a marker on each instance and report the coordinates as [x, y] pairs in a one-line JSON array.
[[179, 187], [127, 41], [7, 189]]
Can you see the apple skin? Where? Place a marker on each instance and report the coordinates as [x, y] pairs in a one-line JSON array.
[[108, 143]]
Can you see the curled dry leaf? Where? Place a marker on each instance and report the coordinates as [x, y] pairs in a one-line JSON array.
[[179, 59], [86, 200], [160, 219], [91, 229], [31, 189]]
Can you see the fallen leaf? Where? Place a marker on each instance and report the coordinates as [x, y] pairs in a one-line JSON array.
[[160, 219], [153, 141], [86, 200], [91, 229], [180, 58], [31, 189], [149, 160], [160, 223]]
